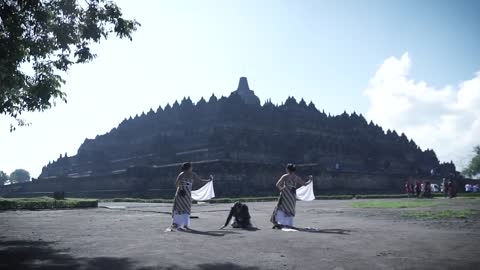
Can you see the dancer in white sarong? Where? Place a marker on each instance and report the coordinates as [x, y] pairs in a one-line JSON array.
[[284, 212], [182, 203]]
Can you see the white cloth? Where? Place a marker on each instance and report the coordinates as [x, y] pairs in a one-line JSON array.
[[204, 193], [283, 219], [305, 193], [289, 230]]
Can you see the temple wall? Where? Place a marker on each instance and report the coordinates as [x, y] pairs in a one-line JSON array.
[[232, 179]]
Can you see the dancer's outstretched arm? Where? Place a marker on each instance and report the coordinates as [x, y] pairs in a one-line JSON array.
[[310, 179], [196, 177], [229, 218], [303, 183]]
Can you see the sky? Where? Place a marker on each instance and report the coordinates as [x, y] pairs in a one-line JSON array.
[[412, 66]]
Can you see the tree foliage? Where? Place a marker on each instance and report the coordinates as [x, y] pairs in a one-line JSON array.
[[473, 168], [19, 176], [49, 36], [3, 178]]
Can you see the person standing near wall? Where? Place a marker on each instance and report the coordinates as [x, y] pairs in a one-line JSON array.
[[427, 190], [418, 188], [408, 188], [445, 187], [452, 189]]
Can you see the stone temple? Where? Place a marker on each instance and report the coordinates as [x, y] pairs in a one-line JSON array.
[[245, 145]]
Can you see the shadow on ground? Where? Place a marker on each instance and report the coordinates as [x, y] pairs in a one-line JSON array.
[[332, 231], [316, 230], [31, 255]]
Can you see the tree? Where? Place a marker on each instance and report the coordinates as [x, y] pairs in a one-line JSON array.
[[473, 167], [49, 36], [3, 178], [19, 176]]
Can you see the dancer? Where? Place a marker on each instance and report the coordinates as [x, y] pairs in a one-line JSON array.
[[182, 203], [284, 212], [241, 215]]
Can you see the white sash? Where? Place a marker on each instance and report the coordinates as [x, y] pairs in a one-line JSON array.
[[305, 193], [204, 193]]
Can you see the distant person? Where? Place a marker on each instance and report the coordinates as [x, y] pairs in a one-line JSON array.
[[452, 191], [427, 190], [418, 188], [468, 188], [435, 188], [445, 187], [408, 188], [284, 212], [182, 203], [476, 188]]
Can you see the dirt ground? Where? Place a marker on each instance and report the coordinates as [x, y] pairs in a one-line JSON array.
[[131, 236]]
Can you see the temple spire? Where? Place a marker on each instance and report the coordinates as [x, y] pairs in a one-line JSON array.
[[244, 91], [243, 85]]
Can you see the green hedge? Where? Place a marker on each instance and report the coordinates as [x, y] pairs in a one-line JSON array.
[[475, 195], [217, 200], [244, 199], [381, 196], [45, 203], [138, 200], [334, 197], [274, 198]]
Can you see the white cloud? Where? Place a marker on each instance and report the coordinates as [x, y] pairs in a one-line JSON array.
[[446, 119]]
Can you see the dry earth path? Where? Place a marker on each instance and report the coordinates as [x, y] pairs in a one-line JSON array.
[[124, 236]]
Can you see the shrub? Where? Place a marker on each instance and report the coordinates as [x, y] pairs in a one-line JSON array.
[[334, 197], [45, 203], [381, 196], [59, 195]]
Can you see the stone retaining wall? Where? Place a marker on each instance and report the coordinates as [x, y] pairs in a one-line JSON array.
[[232, 179]]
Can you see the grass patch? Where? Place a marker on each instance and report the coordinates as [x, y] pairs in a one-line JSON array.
[[394, 204], [444, 214], [45, 203]]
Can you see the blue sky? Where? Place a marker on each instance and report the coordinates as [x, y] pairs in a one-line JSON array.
[[324, 51]]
